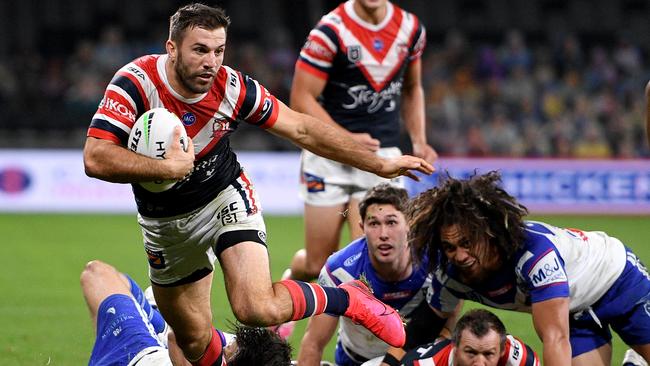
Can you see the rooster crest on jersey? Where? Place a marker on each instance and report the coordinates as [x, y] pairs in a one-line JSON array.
[[151, 136]]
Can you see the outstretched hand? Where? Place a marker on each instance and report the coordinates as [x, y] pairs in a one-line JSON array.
[[179, 159], [405, 165]]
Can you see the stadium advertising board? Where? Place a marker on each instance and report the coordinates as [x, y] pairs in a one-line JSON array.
[[54, 181]]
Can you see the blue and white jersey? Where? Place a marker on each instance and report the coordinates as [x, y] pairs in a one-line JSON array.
[[353, 262], [364, 66], [125, 336], [552, 262]]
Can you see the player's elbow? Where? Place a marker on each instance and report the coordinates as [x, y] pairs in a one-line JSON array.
[[91, 157]]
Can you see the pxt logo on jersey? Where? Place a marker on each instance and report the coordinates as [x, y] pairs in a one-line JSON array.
[[188, 118], [156, 258]]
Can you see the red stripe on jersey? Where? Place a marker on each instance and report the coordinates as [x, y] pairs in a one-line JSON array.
[[387, 35], [321, 299], [249, 193], [321, 51], [312, 70], [102, 134], [135, 81], [274, 114]]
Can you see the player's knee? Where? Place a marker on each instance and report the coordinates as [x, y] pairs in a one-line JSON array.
[[313, 267], [92, 271], [192, 343], [258, 314]]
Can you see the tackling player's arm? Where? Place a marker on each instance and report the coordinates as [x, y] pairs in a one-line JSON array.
[[305, 90], [106, 160], [318, 333], [551, 321], [413, 112], [331, 142]]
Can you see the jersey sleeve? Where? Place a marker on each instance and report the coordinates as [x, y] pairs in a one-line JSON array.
[[541, 268], [124, 99], [252, 102], [318, 52], [419, 43], [438, 296], [517, 353]]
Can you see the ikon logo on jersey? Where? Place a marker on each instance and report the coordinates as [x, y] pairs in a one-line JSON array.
[[547, 270]]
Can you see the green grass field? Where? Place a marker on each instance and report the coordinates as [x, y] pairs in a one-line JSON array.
[[43, 316]]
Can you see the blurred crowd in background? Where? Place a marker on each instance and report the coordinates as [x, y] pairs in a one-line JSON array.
[[513, 93]]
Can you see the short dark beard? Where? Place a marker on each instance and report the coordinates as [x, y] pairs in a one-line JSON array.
[[185, 76]]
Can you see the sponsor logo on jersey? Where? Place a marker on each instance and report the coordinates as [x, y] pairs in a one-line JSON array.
[[113, 105], [363, 95], [354, 53], [316, 49], [350, 260], [547, 270], [156, 258], [110, 310], [14, 180], [220, 126], [314, 183], [188, 118], [377, 44], [396, 295], [228, 214]]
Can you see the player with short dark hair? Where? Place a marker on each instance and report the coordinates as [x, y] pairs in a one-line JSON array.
[[479, 338], [576, 284], [213, 212], [382, 258]]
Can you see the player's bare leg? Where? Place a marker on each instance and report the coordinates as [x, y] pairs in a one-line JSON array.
[[353, 218], [601, 356], [186, 308], [323, 226], [98, 281], [255, 300]]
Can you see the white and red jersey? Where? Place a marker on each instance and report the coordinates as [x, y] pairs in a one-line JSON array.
[[208, 119], [364, 65], [441, 353]]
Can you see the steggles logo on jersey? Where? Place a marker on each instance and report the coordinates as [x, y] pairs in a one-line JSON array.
[[362, 94], [354, 53]]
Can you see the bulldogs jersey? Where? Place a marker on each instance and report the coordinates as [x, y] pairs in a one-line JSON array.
[[364, 65], [353, 262], [552, 262], [440, 353], [208, 119]]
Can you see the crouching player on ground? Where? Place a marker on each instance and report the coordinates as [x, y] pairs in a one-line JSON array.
[[130, 331], [383, 259]]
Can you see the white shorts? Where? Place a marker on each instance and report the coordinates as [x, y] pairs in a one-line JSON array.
[[182, 249], [324, 182]]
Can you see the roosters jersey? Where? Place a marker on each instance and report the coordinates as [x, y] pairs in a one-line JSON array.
[[364, 65], [353, 262], [208, 119], [440, 353], [552, 262]]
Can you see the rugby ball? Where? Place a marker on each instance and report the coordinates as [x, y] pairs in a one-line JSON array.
[[151, 136]]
